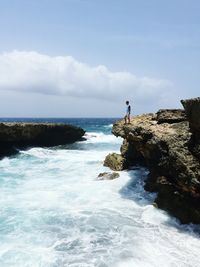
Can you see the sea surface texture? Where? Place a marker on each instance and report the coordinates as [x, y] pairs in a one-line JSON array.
[[54, 212]]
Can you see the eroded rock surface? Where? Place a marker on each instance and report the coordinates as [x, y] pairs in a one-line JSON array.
[[108, 176], [19, 135], [170, 115], [192, 110], [162, 142], [115, 162]]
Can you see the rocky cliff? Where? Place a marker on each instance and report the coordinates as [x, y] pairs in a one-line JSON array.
[[21, 135], [168, 143]]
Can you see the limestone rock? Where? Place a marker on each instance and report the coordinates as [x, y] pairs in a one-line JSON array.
[[170, 115], [192, 110], [108, 176], [22, 135], [169, 145], [115, 162]]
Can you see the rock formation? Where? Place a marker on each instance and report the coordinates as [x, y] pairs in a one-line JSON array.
[[192, 110], [21, 135], [115, 162], [107, 176], [168, 143]]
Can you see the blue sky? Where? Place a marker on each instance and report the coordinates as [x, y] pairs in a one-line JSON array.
[[155, 40]]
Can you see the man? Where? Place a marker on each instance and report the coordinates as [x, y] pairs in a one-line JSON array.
[[128, 113]]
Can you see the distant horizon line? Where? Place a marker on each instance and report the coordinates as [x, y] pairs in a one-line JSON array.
[[60, 117]]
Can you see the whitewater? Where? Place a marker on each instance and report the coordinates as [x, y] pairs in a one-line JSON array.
[[55, 213]]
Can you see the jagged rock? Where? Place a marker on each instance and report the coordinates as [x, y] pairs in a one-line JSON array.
[[192, 110], [164, 143], [115, 162], [108, 176], [36, 134], [130, 154], [170, 115]]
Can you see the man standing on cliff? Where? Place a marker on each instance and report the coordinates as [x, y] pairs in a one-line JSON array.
[[128, 113]]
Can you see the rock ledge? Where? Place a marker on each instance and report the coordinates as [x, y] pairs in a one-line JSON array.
[[168, 144]]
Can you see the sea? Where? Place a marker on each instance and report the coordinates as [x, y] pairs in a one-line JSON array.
[[54, 212]]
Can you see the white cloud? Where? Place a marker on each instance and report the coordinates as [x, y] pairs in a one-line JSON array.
[[34, 72]]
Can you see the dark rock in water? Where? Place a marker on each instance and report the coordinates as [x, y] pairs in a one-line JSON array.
[[170, 115], [108, 176], [22, 135], [169, 146], [115, 162]]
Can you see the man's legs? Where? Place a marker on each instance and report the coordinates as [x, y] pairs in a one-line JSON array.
[[125, 119], [129, 119]]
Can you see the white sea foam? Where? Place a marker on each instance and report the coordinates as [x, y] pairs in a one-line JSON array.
[[93, 137], [54, 213], [108, 126]]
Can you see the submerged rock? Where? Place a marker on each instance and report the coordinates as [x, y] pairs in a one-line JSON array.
[[108, 176], [169, 146], [21, 135]]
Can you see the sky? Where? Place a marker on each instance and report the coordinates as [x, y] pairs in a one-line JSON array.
[[85, 58]]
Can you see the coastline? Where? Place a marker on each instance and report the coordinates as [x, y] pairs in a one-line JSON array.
[[15, 135], [167, 143]]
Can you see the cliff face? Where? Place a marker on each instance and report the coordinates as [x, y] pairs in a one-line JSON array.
[[165, 143], [36, 134], [192, 110]]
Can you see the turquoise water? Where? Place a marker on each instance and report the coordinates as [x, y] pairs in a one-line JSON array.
[[54, 212]]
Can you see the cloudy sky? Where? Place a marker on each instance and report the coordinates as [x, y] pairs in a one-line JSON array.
[[85, 58]]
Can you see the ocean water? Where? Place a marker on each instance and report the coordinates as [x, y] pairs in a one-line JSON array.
[[55, 213]]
